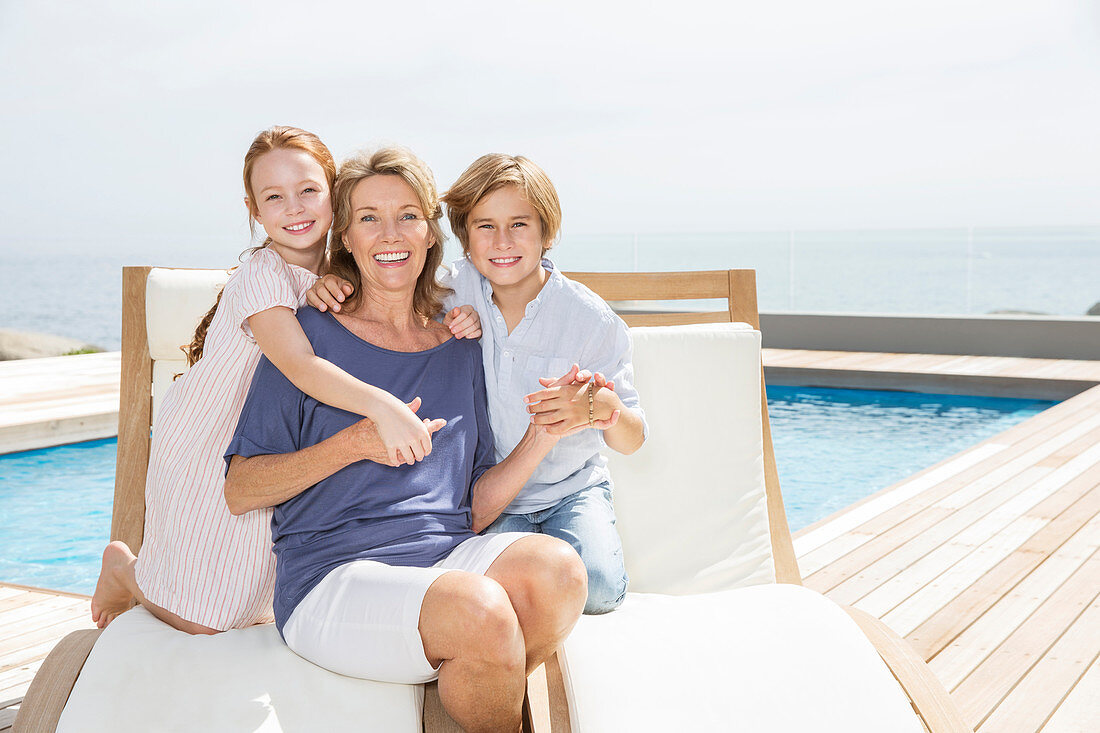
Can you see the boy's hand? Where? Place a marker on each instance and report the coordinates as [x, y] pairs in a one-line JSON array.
[[576, 375], [406, 437], [328, 292], [464, 322], [564, 409]]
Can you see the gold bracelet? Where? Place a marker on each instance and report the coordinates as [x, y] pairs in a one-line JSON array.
[[591, 405]]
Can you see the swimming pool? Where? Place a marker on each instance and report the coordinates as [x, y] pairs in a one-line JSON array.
[[833, 448]]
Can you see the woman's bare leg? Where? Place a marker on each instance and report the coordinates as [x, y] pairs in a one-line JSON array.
[[467, 624], [547, 586], [117, 590]]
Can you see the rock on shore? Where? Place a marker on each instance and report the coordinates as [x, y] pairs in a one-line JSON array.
[[28, 345]]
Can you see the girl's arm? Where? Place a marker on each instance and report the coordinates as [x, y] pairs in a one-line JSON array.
[[496, 488], [280, 337], [329, 292], [270, 479]]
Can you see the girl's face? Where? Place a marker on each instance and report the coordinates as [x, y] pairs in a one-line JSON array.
[[506, 243], [292, 203], [389, 235]]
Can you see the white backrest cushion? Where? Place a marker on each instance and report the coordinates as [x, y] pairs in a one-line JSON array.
[[175, 302], [143, 675], [691, 503]]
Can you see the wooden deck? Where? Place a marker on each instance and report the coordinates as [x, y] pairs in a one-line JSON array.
[[988, 563], [32, 621], [55, 400]]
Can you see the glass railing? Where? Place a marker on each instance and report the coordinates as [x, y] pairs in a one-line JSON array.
[[950, 271]]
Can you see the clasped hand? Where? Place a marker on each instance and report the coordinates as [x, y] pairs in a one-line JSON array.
[[562, 407]]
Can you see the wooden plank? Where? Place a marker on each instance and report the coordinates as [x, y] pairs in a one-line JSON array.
[[1007, 518], [973, 496], [984, 688], [1080, 711], [1044, 550], [673, 319], [1033, 701], [656, 285], [972, 647], [135, 413]]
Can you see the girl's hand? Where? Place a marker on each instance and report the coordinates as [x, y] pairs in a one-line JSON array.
[[406, 437], [329, 292], [464, 322]]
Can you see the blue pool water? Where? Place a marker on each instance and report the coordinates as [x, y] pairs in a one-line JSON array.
[[833, 448]]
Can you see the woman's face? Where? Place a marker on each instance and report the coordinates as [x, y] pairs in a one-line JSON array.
[[389, 235]]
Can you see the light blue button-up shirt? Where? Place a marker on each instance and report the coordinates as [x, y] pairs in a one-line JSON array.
[[565, 323]]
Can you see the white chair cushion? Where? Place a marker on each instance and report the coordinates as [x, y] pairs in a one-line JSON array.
[[766, 658], [691, 504], [143, 675], [175, 302]]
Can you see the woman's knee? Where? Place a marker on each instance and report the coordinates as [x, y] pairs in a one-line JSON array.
[[548, 574], [489, 627]]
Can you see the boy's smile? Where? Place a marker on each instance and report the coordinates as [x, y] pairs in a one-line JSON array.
[[506, 243]]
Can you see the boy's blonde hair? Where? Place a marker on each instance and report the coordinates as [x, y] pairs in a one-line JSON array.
[[494, 171], [390, 161]]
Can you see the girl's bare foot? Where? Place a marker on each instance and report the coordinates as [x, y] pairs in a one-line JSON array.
[[112, 592]]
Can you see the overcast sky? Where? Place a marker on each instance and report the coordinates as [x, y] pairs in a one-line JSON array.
[[125, 124]]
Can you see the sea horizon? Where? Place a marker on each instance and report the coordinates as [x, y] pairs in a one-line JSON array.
[[945, 271]]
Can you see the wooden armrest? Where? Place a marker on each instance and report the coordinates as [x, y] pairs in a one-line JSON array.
[[50, 688], [929, 697]]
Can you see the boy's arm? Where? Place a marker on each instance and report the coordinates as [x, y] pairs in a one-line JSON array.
[[496, 488], [280, 337]]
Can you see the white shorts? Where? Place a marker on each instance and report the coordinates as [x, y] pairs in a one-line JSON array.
[[363, 618]]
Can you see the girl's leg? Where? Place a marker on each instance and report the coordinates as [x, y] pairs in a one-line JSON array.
[[586, 520], [117, 589]]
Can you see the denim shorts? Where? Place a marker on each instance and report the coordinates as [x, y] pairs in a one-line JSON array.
[[586, 520]]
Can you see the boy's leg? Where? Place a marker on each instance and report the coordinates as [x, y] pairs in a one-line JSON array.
[[586, 520], [511, 523]]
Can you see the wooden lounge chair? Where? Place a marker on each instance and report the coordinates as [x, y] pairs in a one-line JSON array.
[[734, 570]]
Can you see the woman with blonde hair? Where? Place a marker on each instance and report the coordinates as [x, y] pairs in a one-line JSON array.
[[379, 572]]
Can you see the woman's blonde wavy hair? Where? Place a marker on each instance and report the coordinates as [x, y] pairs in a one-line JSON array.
[[389, 161]]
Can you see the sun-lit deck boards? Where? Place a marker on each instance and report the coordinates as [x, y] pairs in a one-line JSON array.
[[989, 564], [58, 400], [936, 364], [32, 621]]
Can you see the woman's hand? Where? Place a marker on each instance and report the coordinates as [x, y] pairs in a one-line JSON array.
[[564, 408], [464, 322], [405, 436], [329, 292]]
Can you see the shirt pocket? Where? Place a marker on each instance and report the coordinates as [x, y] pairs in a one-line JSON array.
[[543, 366]]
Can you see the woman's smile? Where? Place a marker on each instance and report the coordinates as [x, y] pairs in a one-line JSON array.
[[395, 258]]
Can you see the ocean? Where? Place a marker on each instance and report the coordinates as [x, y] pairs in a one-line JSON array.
[[1054, 270]]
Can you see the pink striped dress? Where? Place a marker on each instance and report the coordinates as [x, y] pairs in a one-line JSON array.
[[198, 560]]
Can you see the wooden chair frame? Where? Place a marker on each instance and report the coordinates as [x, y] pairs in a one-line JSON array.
[[46, 697]]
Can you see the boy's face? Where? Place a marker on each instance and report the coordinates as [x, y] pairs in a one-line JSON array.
[[505, 236]]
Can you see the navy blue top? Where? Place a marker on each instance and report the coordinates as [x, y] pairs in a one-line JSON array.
[[408, 515]]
